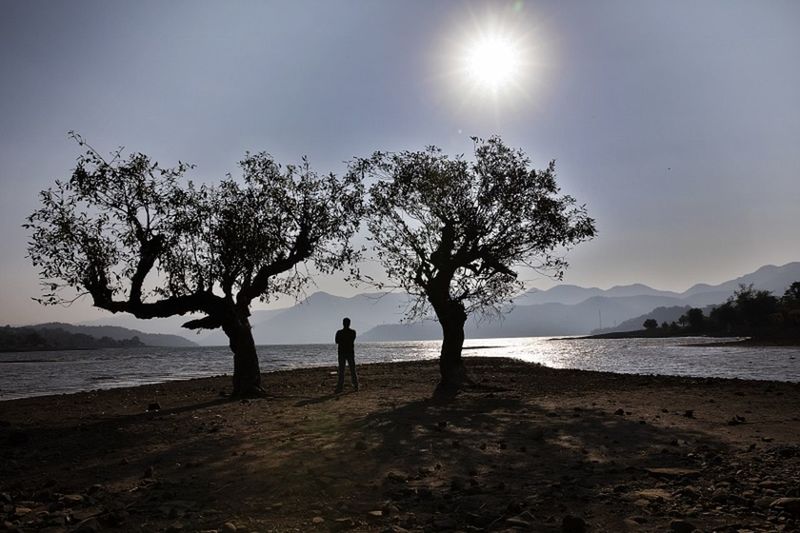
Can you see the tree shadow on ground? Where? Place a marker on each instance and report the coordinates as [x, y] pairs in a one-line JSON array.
[[488, 462]]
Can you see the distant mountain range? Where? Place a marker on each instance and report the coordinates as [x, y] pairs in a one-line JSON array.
[[561, 310]]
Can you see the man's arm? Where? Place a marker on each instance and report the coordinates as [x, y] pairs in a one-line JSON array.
[[336, 339]]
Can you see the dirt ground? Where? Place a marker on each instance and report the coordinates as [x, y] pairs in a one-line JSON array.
[[528, 449]]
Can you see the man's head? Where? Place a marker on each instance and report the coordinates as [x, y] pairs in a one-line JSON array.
[[346, 322]]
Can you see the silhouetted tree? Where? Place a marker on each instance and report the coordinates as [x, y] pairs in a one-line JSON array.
[[695, 319], [452, 232], [754, 306], [791, 298], [650, 323], [128, 234]]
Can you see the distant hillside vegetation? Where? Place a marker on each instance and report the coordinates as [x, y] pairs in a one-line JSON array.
[[32, 338], [120, 333]]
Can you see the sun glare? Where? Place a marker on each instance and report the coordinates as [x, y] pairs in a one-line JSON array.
[[492, 62]]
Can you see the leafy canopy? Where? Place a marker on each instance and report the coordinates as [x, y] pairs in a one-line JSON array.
[[210, 247], [440, 222]]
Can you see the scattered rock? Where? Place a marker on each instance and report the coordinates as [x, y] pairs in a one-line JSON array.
[[736, 420], [396, 477], [20, 511], [375, 514], [790, 505], [619, 412], [672, 472], [457, 484], [652, 495], [229, 527], [71, 500], [444, 523], [317, 520], [343, 523], [516, 521], [573, 524], [155, 406], [681, 526]]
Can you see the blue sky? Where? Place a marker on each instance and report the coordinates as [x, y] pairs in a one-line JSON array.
[[676, 122]]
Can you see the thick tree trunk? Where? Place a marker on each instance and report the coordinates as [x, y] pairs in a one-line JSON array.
[[451, 366], [246, 371]]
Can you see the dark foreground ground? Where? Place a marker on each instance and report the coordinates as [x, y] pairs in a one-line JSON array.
[[530, 449]]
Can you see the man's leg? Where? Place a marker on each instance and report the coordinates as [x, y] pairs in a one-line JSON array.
[[351, 361], [340, 383]]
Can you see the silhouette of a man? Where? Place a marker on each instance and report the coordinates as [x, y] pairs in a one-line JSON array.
[[345, 338]]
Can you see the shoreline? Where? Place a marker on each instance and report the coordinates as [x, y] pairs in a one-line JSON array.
[[529, 448], [332, 368]]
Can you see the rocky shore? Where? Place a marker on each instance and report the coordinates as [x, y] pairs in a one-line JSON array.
[[528, 449]]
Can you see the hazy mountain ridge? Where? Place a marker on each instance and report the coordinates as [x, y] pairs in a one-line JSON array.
[[561, 310], [579, 310]]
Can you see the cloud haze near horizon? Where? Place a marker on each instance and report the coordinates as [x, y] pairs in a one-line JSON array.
[[677, 123]]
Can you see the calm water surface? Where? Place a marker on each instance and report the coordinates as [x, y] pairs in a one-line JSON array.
[[39, 373]]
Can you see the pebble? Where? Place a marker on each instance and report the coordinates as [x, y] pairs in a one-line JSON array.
[[573, 524], [681, 526], [229, 527], [790, 505]]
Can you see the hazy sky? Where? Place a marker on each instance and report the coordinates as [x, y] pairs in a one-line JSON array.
[[677, 122]]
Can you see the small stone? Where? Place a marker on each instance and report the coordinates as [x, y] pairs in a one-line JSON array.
[[672, 473], [72, 499], [652, 495], [790, 505], [375, 514], [229, 527], [689, 413], [619, 412], [396, 477], [518, 522], [88, 526], [445, 523], [155, 406], [573, 524], [20, 511], [736, 420], [681, 526], [457, 484], [317, 520], [343, 523]]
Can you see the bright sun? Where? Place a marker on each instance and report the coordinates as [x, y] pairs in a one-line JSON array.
[[493, 62]]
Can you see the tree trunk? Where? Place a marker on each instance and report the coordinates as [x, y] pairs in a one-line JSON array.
[[451, 366], [246, 372]]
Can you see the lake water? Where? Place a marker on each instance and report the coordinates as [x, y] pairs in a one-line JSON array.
[[38, 373]]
